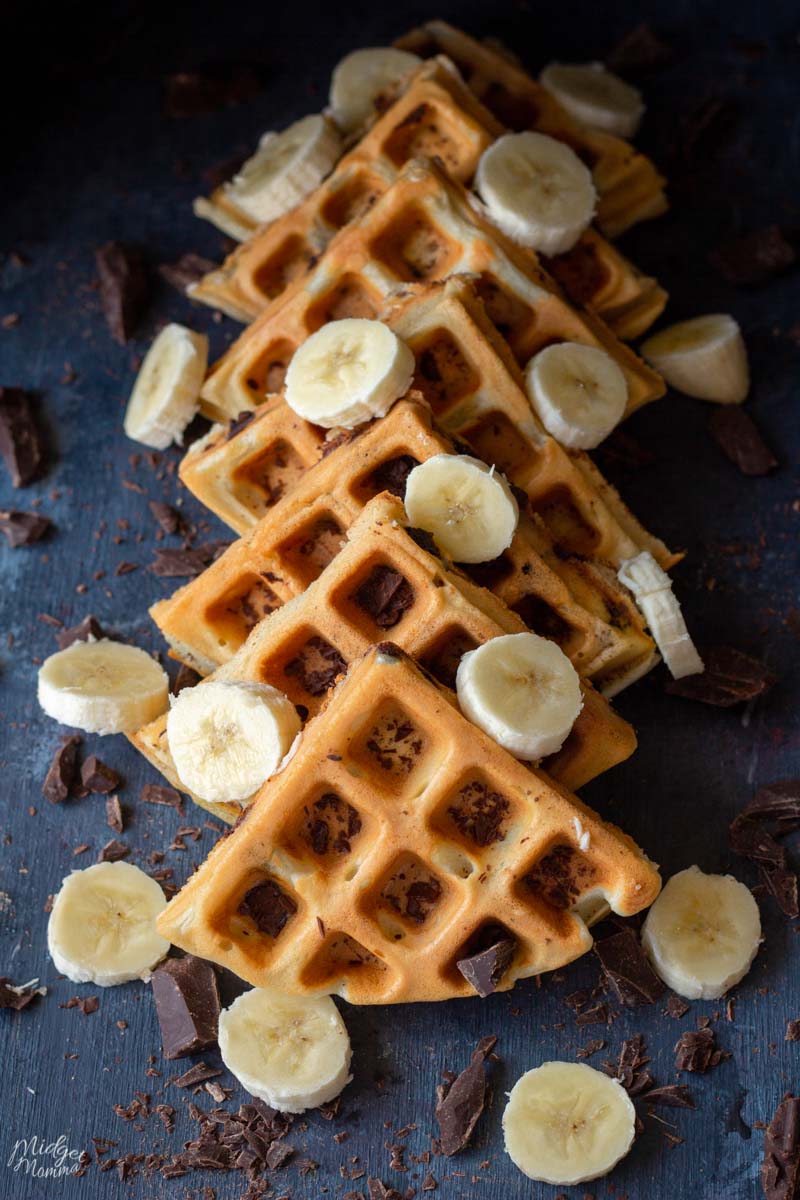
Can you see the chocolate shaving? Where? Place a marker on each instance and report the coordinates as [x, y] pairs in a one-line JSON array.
[[461, 1105], [21, 445], [124, 287], [268, 906], [780, 1170], [114, 818], [592, 1047], [737, 435], [19, 996], [189, 268], [98, 778], [628, 970], [155, 793], [484, 970], [167, 518], [674, 1095], [696, 1050], [197, 1074], [89, 630], [113, 851], [62, 771], [186, 563], [23, 528], [730, 677], [631, 1064], [755, 258]]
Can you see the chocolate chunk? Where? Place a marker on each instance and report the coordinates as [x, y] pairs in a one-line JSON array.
[[20, 441], [239, 422], [379, 1191], [631, 1064], [696, 1050], [755, 258], [424, 540], [113, 851], [210, 88], [189, 268], [484, 970], [792, 1031], [199, 1073], [737, 435], [780, 1170], [17, 996], [628, 969], [316, 666], [278, 1155], [124, 287], [62, 771], [639, 52], [674, 1095], [677, 1008], [392, 475], [23, 528], [778, 802], [730, 676], [461, 1105], [97, 777], [186, 677], [184, 564], [89, 630], [385, 595], [187, 1003], [155, 793], [114, 818], [479, 813], [592, 1047], [268, 906], [781, 883], [167, 518]]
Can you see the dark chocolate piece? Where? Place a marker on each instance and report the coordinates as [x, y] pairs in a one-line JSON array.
[[210, 88], [20, 441], [639, 52], [199, 1073], [17, 997], [268, 906], [23, 528], [792, 1031], [186, 677], [677, 1008], [631, 1064], [392, 475], [113, 851], [628, 970], [779, 802], [278, 1155], [673, 1095], [479, 813], [754, 258], [484, 970], [780, 1170], [385, 595], [87, 1004], [98, 778], [156, 793], [124, 287], [781, 883], [189, 268], [696, 1050], [114, 817], [89, 630], [737, 435], [187, 1003], [592, 1047], [63, 769], [316, 666], [462, 1103], [184, 564], [376, 1190], [730, 677], [167, 518]]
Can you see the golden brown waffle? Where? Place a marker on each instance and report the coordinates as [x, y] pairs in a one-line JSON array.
[[389, 581], [422, 229], [628, 184], [398, 840], [208, 619], [437, 115]]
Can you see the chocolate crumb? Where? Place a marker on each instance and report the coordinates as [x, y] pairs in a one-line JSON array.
[[197, 1074], [792, 1031], [167, 518]]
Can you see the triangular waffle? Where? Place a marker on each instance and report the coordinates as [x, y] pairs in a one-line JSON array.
[[397, 840]]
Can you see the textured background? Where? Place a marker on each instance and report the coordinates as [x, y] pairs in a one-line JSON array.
[[93, 159]]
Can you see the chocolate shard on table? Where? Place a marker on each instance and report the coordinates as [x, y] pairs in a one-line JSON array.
[[114, 815], [780, 1169], [189, 268], [113, 851], [124, 287], [738, 436], [187, 1003], [184, 564], [197, 1074], [673, 1095], [21, 444], [63, 769], [89, 630], [186, 677], [18, 996], [484, 969], [99, 778], [754, 258], [23, 528], [463, 1101], [627, 969], [168, 519], [730, 676]]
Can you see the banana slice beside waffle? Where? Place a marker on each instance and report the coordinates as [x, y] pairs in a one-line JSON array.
[[652, 590], [166, 394], [595, 97], [286, 167], [103, 687], [704, 357]]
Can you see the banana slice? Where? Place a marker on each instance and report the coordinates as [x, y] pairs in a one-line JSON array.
[[704, 357], [359, 79], [537, 190], [567, 1123], [285, 168], [702, 933], [293, 1052], [595, 97], [348, 372], [523, 691], [652, 590], [102, 928], [468, 507], [166, 394], [227, 738], [103, 687], [578, 392]]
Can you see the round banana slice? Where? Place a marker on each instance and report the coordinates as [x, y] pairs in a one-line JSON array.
[[704, 357], [468, 507], [578, 392], [293, 1052], [102, 927], [103, 687], [652, 590], [523, 691], [227, 738], [595, 97], [537, 190], [702, 933], [348, 372], [166, 394], [567, 1123], [360, 77], [285, 168]]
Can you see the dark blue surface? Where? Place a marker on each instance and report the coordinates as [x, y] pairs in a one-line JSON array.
[[95, 160]]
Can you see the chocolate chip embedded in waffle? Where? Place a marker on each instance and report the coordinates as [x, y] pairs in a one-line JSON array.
[[208, 620], [383, 578], [629, 187], [438, 116], [387, 917]]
